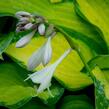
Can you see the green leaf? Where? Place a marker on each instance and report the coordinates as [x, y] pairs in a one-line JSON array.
[[5, 40], [69, 76], [57, 92], [56, 1], [1, 57], [14, 92], [102, 61], [101, 89], [62, 14], [76, 102], [95, 12], [6, 32], [87, 40], [36, 104]]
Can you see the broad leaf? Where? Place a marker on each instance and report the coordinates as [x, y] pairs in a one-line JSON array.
[[101, 89], [68, 72], [61, 14], [6, 35], [102, 61], [101, 80], [36, 104], [96, 12], [57, 92], [15, 92], [5, 40], [76, 102]]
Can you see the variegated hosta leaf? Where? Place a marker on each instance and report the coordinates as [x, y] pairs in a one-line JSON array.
[[101, 80], [61, 14], [14, 92], [5, 40], [97, 13], [36, 104], [101, 89], [76, 102], [12, 87], [102, 61], [68, 72]]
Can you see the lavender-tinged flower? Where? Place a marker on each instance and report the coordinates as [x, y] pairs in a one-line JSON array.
[[28, 26], [22, 23], [21, 14], [42, 55], [25, 39], [41, 29], [24, 19], [44, 76]]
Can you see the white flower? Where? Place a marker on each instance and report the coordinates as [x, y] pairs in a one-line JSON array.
[[28, 26], [25, 39], [22, 13], [21, 23], [24, 19], [41, 29], [42, 55], [44, 76]]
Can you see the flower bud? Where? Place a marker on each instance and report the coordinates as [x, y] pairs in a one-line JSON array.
[[41, 29]]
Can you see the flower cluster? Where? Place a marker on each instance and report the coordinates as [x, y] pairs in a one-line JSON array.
[[34, 23], [43, 54]]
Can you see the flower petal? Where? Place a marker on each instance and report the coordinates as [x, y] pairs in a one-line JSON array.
[[28, 26], [39, 76], [24, 19], [41, 29], [35, 59], [48, 52], [44, 76], [22, 13], [46, 83], [25, 39], [22, 23]]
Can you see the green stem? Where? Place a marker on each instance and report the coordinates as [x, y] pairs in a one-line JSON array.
[[85, 63]]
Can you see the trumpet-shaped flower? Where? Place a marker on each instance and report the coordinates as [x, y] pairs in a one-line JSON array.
[[42, 55], [44, 76], [25, 39]]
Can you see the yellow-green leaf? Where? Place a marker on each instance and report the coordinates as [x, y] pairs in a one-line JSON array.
[[68, 72], [97, 13], [62, 14]]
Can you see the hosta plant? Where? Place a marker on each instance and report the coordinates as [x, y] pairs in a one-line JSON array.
[[53, 53]]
